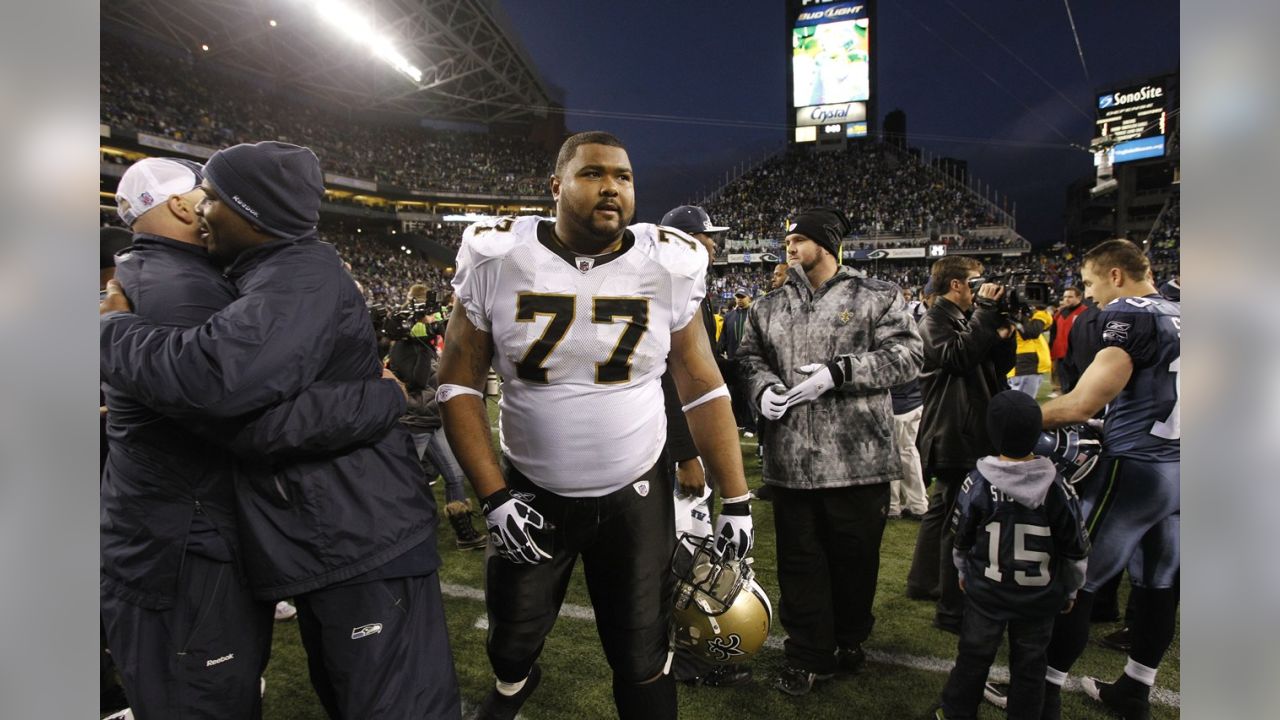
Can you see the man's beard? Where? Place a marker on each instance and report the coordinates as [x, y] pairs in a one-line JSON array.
[[601, 236]]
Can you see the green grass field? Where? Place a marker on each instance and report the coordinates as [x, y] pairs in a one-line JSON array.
[[576, 680]]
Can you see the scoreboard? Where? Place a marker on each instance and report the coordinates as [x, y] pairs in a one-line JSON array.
[[830, 81], [1136, 117]]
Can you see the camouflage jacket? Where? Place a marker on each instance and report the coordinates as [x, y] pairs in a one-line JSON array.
[[845, 437]]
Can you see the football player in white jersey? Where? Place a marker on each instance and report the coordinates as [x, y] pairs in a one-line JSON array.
[[580, 315]]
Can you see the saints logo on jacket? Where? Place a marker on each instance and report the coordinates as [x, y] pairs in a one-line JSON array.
[[581, 343]]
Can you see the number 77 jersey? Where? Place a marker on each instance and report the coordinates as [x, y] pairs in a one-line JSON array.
[[1142, 422], [581, 343]]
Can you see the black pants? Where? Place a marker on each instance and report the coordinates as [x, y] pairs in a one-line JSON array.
[[740, 396], [203, 657], [828, 563], [625, 539], [380, 649], [980, 638], [932, 573]]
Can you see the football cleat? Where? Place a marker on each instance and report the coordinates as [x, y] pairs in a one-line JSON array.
[[1126, 697], [1119, 640], [1074, 449], [798, 681], [722, 615]]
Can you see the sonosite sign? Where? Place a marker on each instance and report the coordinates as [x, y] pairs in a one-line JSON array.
[[831, 77], [1136, 117]]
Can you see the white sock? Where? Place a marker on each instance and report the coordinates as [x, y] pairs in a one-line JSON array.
[[1055, 677], [509, 689], [1140, 672]]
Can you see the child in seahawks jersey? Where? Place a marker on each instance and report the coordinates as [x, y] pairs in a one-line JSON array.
[[1021, 550]]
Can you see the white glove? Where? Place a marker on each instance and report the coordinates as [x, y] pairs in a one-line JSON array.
[[773, 402], [818, 382], [734, 531], [511, 522]]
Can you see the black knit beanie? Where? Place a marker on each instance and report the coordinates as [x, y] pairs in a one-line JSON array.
[[274, 185], [1014, 422], [823, 225]]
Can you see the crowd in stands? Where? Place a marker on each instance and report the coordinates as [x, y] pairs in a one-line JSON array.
[[881, 190], [157, 94], [725, 280], [383, 270]]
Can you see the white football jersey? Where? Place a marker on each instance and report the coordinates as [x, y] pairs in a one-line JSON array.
[[581, 344]]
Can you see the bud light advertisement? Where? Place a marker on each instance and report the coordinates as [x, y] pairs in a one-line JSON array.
[[831, 55]]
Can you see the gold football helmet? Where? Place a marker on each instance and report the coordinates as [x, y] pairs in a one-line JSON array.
[[722, 614]]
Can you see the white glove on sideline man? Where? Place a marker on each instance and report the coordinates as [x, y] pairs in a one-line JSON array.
[[773, 402]]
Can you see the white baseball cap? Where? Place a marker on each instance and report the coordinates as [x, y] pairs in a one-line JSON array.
[[148, 183]]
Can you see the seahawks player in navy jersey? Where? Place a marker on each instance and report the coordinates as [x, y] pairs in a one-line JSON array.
[[1133, 516]]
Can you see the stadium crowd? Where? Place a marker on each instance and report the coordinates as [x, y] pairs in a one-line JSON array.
[[384, 272], [142, 91], [881, 190]]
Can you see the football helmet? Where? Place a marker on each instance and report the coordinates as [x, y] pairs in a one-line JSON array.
[[1075, 449], [722, 615]]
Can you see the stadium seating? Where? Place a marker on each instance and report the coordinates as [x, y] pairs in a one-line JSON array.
[[882, 190], [157, 94]]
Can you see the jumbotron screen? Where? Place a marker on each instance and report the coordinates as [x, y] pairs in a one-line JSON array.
[[831, 65]]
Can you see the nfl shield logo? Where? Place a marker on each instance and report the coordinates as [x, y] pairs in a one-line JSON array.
[[585, 264], [642, 488], [146, 198]]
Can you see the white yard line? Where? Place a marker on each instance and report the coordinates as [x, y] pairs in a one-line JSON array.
[[917, 662]]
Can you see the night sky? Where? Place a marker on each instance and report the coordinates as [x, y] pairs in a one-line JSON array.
[[964, 94]]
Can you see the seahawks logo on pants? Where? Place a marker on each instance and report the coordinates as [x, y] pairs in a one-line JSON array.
[[722, 649]]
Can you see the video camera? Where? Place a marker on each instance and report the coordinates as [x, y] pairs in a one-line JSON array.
[[397, 323], [1021, 294]]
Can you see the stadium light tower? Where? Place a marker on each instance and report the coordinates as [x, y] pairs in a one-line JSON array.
[[359, 28]]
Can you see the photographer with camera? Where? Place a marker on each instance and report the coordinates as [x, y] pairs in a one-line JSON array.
[[968, 349], [413, 360]]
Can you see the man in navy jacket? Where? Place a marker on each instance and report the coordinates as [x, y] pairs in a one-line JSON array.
[[350, 534], [188, 635]]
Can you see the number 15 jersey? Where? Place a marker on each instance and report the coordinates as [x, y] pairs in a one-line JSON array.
[[581, 343]]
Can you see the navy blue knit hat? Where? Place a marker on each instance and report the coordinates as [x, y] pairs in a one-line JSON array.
[[1014, 422], [274, 185]]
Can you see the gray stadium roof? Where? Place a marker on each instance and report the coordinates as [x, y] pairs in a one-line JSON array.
[[473, 68]]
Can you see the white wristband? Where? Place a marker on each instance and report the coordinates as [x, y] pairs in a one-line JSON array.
[[722, 391], [732, 500], [447, 392]]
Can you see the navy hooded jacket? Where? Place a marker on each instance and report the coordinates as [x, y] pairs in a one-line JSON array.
[[307, 520]]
